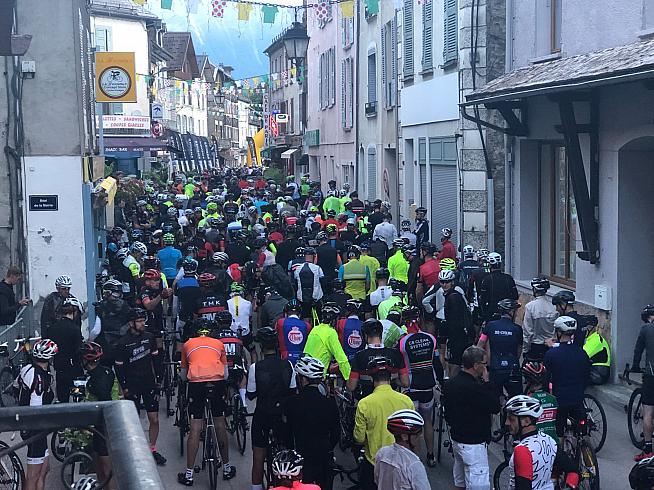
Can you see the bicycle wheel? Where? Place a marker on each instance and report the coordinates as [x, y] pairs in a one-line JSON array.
[[240, 426], [501, 476], [497, 426], [596, 418], [635, 419], [11, 470], [181, 418], [588, 467], [212, 457], [7, 399], [441, 429], [59, 447]]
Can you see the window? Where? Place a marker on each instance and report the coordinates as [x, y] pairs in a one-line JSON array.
[[555, 29], [372, 77], [389, 62], [450, 32], [548, 27], [347, 32], [103, 39], [557, 224], [407, 28], [348, 172], [347, 93], [427, 35], [422, 164], [372, 173]]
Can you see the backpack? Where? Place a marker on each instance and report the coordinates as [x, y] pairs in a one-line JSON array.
[[274, 276]]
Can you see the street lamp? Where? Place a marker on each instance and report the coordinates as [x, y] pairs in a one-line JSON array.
[[296, 41]]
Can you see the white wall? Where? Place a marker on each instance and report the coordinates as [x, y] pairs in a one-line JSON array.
[[430, 101]]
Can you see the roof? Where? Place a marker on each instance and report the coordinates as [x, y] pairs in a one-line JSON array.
[[618, 64], [120, 8], [180, 46], [202, 60]]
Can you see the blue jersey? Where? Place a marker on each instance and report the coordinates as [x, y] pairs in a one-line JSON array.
[[168, 257], [292, 334], [569, 368], [350, 335], [505, 341]]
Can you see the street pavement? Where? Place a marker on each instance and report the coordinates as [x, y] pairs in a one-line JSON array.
[[614, 459]]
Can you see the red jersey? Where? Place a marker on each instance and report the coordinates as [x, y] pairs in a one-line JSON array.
[[429, 273], [448, 251]]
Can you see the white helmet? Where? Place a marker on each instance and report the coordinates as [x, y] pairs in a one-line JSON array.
[[494, 258], [310, 367], [565, 324], [446, 232], [63, 281], [122, 253], [73, 301], [446, 276], [139, 247], [287, 464], [86, 483], [524, 406], [468, 251], [44, 349], [220, 256], [182, 221]]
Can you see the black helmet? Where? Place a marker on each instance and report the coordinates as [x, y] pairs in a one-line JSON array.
[[378, 363], [396, 285], [507, 305], [647, 312], [267, 336], [372, 327], [309, 251], [410, 312], [540, 284], [382, 273], [641, 476], [428, 247], [534, 371], [224, 317], [563, 298], [292, 305], [138, 313], [330, 312], [353, 305]]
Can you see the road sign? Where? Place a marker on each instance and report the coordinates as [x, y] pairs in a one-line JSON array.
[[157, 111]]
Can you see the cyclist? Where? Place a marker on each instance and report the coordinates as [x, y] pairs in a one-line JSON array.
[[422, 226], [641, 476], [494, 287], [535, 375], [34, 388], [359, 376], [188, 292], [150, 299], [569, 368], [204, 366], [292, 332], [355, 274], [51, 311], [287, 467], [467, 268], [323, 342], [393, 328], [66, 333], [272, 308], [398, 265], [310, 408], [169, 256], [645, 343], [349, 329], [422, 359], [396, 298], [131, 270], [368, 260], [135, 353], [210, 304], [308, 279], [383, 291], [237, 357], [538, 323], [430, 267], [241, 310], [372, 413], [456, 327], [270, 381], [502, 340], [112, 315], [398, 466], [564, 302]]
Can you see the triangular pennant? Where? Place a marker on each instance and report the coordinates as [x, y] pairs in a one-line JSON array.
[[167, 4], [347, 9]]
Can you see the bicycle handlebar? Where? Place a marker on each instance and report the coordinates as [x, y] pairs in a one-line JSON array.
[[625, 374]]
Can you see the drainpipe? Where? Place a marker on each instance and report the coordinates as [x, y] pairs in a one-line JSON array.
[[509, 147], [397, 132], [356, 98]]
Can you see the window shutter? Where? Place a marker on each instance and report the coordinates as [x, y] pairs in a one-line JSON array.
[[428, 35], [350, 30], [423, 184], [450, 41], [343, 95], [383, 65], [407, 25], [332, 74], [372, 77], [350, 90], [320, 89], [372, 174], [100, 39], [393, 84], [443, 197]]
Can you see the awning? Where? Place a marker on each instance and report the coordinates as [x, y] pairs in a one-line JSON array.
[[116, 145], [619, 64], [289, 153]]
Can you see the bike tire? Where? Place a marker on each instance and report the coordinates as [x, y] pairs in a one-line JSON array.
[[441, 430], [239, 424], [54, 446], [212, 463], [635, 419], [497, 426], [597, 417], [6, 380], [17, 475], [501, 476], [588, 467], [181, 419]]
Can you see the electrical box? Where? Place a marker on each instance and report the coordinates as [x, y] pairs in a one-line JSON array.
[[28, 68], [603, 297]]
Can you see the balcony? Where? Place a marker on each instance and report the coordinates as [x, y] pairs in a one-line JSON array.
[[371, 109], [224, 143]]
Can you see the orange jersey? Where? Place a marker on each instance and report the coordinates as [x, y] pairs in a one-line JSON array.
[[205, 359]]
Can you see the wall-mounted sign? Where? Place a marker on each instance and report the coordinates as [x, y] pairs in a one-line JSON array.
[[126, 122], [115, 77], [157, 111], [281, 118], [44, 203]]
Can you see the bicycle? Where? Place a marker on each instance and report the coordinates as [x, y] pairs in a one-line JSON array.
[[502, 476], [274, 446], [210, 455], [578, 447], [236, 411], [181, 414], [346, 411], [634, 410], [12, 473], [15, 362], [595, 421], [444, 439], [169, 373]]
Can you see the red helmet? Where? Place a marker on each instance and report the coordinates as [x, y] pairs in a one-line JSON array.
[[405, 422], [152, 274], [206, 279], [91, 351], [534, 371]]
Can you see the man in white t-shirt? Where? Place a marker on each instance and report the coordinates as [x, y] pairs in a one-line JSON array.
[[241, 310], [383, 291]]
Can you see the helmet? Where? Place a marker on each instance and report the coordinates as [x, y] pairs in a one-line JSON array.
[[446, 276], [422, 210], [299, 252], [138, 314], [112, 285], [330, 311], [641, 476], [428, 247], [331, 228], [171, 212], [647, 312], [206, 279], [309, 251], [220, 257], [410, 312], [565, 324], [540, 284], [482, 253], [190, 265], [169, 239], [534, 371], [86, 483], [204, 327], [212, 206], [468, 251], [44, 349], [331, 213], [91, 351], [354, 251], [378, 363], [448, 264], [310, 367], [191, 249], [287, 464], [151, 274], [72, 301], [398, 242], [524, 406], [137, 234], [408, 249], [338, 284], [446, 232], [507, 305], [122, 253], [292, 305], [140, 248], [236, 288], [322, 236], [188, 212], [372, 327], [267, 335], [353, 305], [494, 258], [564, 297], [406, 224], [64, 281], [405, 421], [223, 317], [382, 273], [397, 285]]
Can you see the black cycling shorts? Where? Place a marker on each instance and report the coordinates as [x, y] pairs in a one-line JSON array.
[[454, 352], [307, 309], [37, 451], [214, 391], [144, 397], [503, 380], [647, 397], [248, 341], [575, 412], [261, 425]]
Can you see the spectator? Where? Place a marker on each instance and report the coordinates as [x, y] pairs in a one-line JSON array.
[[8, 304]]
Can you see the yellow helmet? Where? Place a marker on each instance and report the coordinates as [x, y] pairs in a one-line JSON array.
[[448, 264]]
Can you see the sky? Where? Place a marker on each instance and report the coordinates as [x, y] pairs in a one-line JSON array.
[[226, 40]]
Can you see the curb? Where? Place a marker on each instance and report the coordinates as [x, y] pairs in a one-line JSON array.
[[615, 395]]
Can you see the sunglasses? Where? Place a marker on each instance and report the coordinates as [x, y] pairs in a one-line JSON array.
[[444, 282]]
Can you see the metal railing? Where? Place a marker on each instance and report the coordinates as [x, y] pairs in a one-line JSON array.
[[22, 327]]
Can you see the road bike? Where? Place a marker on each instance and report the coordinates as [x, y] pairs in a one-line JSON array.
[[502, 474], [577, 445], [346, 411], [211, 460], [11, 470], [170, 372], [15, 362], [595, 421], [634, 410], [181, 414], [442, 427], [274, 446], [236, 412]]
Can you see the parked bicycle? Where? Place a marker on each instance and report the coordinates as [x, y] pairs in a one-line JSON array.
[[14, 363], [11, 469]]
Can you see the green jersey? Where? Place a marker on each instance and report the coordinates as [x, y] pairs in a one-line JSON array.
[[547, 421]]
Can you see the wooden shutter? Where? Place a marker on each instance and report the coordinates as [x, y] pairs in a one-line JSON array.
[[372, 173], [332, 75], [393, 84], [383, 65], [450, 40], [407, 27], [343, 94], [372, 77], [350, 91], [428, 35], [320, 87]]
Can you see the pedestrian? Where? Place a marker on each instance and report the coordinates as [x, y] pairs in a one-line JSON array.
[[470, 400], [9, 306]]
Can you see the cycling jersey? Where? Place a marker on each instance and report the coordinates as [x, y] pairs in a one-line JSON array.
[[168, 257], [233, 348], [547, 421], [323, 344], [356, 275], [392, 333], [380, 294], [292, 334], [34, 385], [308, 278], [134, 363], [270, 381], [361, 359], [188, 291], [155, 320], [210, 305], [569, 368], [386, 305], [241, 310], [495, 287], [505, 343], [429, 272], [398, 267], [532, 462], [350, 335], [420, 353], [205, 359]]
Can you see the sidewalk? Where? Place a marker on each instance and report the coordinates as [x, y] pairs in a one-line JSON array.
[[616, 394]]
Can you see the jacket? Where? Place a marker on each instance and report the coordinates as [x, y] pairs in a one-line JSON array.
[[469, 404], [51, 311], [272, 309], [645, 342], [8, 304], [538, 324]]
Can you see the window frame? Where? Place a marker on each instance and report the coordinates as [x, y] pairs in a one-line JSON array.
[[555, 44]]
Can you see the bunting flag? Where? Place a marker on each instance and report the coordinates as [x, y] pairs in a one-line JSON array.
[[167, 4], [347, 9], [269, 13], [244, 10], [372, 6], [218, 8], [139, 2], [192, 6], [322, 10]]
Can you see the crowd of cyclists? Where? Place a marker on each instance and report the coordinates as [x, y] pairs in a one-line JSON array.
[[290, 294]]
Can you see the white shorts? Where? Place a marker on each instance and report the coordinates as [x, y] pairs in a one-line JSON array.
[[471, 466]]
